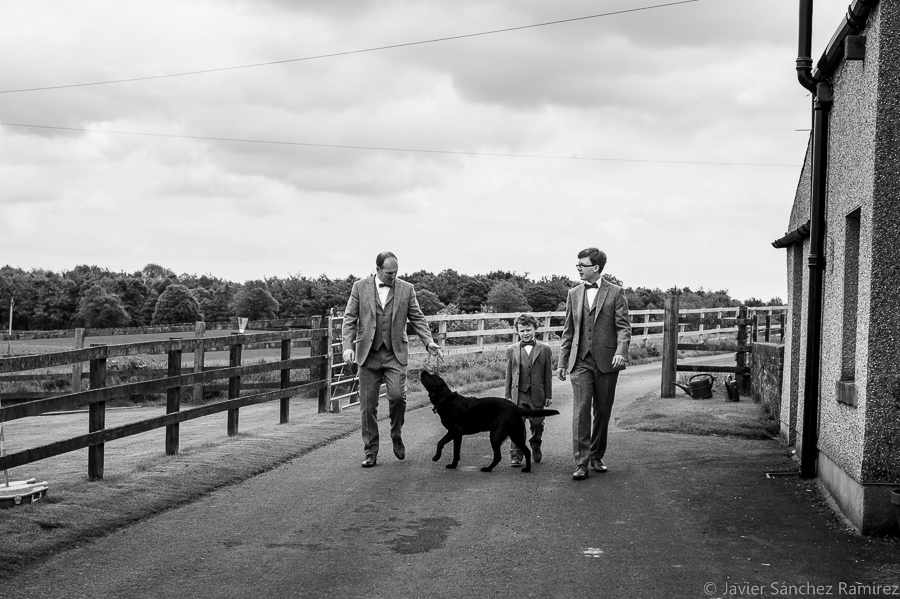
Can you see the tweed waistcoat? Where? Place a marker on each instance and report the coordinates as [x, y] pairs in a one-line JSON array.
[[525, 370], [586, 335], [384, 320]]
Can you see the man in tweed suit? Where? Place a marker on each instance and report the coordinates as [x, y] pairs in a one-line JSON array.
[[595, 341], [374, 336]]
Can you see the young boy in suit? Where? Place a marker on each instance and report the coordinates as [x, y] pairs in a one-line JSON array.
[[529, 381]]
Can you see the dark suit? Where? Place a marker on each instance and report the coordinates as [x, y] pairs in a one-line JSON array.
[[591, 336], [378, 336], [529, 383]]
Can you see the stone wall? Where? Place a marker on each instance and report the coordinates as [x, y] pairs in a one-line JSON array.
[[766, 376]]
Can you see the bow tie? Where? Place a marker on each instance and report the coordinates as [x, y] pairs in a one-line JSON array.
[[531, 343], [385, 285], [591, 286]]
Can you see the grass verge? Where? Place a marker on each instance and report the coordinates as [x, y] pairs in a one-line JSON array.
[[682, 414]]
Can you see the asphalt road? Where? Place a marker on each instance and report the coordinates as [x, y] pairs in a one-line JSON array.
[[674, 515]]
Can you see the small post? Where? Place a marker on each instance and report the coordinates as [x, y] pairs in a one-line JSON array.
[[97, 416], [442, 333], [670, 346], [781, 318], [12, 302], [285, 415], [480, 336], [702, 326], [768, 330], [322, 372], [173, 397], [646, 322], [77, 367], [199, 358], [741, 357], [546, 337], [234, 386], [754, 333]]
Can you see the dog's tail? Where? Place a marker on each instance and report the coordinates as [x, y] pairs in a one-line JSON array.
[[537, 413]]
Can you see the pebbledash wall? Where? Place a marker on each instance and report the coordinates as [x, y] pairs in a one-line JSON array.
[[859, 401]]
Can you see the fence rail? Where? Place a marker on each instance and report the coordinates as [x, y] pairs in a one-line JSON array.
[[317, 383]]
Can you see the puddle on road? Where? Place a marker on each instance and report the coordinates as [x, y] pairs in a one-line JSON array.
[[425, 535]]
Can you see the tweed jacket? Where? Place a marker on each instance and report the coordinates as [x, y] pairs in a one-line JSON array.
[[358, 330], [541, 373], [612, 327]]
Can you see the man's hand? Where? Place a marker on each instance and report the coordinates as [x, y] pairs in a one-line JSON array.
[[561, 374], [547, 402], [434, 349], [349, 356], [618, 361]]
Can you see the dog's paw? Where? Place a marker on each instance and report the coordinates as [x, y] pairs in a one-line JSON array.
[[487, 468], [436, 458], [450, 466], [526, 469]]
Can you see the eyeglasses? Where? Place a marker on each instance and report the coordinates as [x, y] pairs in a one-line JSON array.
[[580, 266]]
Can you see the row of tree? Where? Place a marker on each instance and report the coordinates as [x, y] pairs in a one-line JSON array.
[[94, 297]]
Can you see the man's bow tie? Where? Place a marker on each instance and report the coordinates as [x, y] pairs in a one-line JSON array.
[[590, 286], [531, 343], [386, 285]]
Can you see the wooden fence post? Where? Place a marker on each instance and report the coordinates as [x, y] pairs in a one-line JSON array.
[[285, 414], [77, 366], [781, 319], [768, 331], [646, 322], [199, 358], [670, 346], [173, 398], [741, 359], [234, 387], [96, 416], [442, 333], [480, 337], [322, 372], [546, 338]]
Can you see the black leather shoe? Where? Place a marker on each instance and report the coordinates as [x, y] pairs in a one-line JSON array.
[[369, 461], [598, 465], [580, 473], [399, 449], [516, 462]]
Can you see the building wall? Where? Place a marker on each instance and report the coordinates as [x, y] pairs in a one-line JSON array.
[[859, 417], [881, 460], [851, 163]]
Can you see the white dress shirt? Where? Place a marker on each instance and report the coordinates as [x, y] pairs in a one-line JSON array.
[[383, 292]]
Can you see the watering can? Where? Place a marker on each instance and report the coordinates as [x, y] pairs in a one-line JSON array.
[[731, 388], [699, 389]]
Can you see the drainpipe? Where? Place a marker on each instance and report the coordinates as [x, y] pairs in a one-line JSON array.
[[816, 262]]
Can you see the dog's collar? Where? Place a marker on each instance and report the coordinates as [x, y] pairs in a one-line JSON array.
[[438, 404]]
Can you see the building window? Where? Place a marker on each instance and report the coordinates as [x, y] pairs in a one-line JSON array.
[[851, 295]]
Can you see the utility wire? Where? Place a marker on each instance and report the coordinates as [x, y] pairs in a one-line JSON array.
[[334, 54], [388, 149]]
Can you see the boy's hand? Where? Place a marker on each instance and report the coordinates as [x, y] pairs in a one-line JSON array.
[[561, 374], [547, 402]]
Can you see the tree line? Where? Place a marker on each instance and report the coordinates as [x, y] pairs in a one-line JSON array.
[[95, 297]]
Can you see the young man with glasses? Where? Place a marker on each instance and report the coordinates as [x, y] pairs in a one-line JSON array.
[[594, 348]]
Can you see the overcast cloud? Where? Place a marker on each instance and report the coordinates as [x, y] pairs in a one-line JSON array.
[[711, 81]]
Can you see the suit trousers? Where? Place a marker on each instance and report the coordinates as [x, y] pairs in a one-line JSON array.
[[593, 391], [535, 424], [381, 366]]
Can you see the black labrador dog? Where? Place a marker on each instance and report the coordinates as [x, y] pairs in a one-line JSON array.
[[463, 415]]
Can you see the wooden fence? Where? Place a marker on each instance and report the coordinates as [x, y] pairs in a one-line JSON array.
[[748, 325], [647, 326], [318, 364]]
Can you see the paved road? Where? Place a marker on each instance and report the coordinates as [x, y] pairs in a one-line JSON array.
[[674, 514]]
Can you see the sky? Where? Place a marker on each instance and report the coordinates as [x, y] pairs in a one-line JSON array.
[[666, 136]]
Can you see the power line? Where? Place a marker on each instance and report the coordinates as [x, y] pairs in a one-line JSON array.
[[389, 149], [348, 52]]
